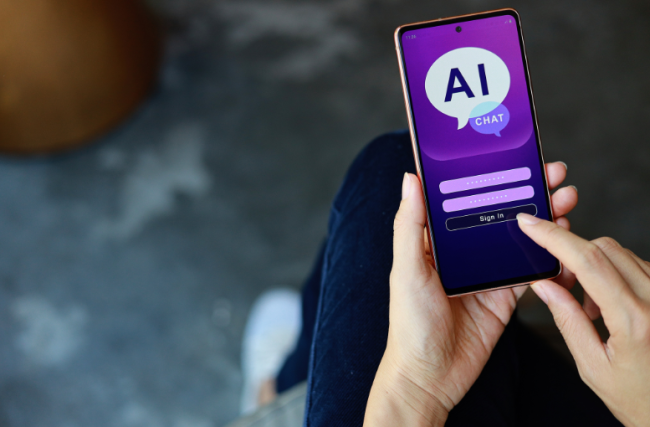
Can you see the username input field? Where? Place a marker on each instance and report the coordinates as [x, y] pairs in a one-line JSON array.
[[485, 180]]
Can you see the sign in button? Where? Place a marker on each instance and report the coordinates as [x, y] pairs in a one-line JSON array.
[[491, 217]]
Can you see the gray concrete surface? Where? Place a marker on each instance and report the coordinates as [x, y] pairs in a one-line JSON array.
[[127, 268]]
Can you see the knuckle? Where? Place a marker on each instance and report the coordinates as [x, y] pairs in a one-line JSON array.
[[643, 334], [563, 322], [586, 373], [607, 244], [593, 256], [414, 275], [552, 234], [397, 278], [639, 321], [564, 319], [399, 221]]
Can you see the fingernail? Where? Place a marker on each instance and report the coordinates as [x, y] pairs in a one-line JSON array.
[[527, 219], [406, 186], [540, 292], [574, 187], [565, 165]]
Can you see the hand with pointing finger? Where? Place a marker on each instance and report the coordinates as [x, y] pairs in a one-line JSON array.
[[618, 284]]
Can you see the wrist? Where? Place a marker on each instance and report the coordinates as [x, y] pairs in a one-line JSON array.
[[396, 400]]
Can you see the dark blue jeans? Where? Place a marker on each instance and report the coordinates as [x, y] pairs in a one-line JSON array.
[[345, 321]]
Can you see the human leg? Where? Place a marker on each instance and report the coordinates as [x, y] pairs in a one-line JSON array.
[[295, 368], [351, 321]]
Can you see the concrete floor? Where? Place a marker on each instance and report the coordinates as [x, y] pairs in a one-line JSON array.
[[127, 268]]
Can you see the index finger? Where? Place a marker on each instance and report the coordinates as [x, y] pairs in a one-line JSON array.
[[591, 266]]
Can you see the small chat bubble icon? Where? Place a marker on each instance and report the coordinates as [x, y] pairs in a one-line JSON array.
[[489, 118], [462, 79]]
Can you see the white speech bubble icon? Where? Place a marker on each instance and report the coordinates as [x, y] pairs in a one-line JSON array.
[[463, 78]]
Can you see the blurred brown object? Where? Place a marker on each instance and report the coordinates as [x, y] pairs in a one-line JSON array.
[[71, 69]]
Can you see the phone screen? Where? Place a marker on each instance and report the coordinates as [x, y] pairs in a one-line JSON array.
[[476, 135]]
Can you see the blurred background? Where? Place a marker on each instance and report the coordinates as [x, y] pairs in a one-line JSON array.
[[210, 139]]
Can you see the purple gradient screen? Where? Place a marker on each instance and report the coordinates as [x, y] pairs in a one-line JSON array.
[[492, 252]]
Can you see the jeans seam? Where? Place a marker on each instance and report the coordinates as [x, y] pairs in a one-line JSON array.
[[313, 351]]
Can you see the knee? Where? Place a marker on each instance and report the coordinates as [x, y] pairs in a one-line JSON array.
[[385, 157], [376, 173], [390, 151]]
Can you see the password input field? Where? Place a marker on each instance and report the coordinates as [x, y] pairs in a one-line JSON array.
[[488, 199]]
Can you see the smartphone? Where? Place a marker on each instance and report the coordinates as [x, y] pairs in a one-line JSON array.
[[477, 149]]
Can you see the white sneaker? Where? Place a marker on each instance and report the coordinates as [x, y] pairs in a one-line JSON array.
[[271, 333]]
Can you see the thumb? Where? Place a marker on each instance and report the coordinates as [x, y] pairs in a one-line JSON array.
[[575, 326], [409, 255]]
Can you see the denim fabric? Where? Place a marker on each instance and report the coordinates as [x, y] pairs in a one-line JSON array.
[[296, 366], [345, 328]]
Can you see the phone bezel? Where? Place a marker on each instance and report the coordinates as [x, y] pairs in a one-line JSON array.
[[500, 284]]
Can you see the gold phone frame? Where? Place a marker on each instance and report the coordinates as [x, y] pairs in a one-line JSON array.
[[414, 143]]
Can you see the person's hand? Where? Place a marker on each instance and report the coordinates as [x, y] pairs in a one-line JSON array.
[[618, 282], [437, 346]]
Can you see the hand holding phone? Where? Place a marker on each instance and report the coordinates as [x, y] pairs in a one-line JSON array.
[[618, 282], [437, 346]]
